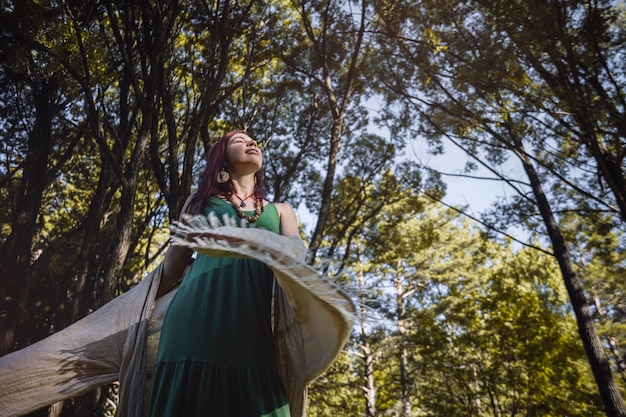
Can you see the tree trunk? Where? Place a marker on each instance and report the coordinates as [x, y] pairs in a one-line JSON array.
[[368, 360], [16, 252], [85, 269], [609, 391], [322, 218], [402, 350], [337, 106], [124, 225]]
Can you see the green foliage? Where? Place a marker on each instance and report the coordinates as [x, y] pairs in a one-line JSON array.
[[109, 106], [336, 390], [542, 82], [488, 74], [487, 329]]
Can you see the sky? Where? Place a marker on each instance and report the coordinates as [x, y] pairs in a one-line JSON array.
[[474, 193], [477, 194]]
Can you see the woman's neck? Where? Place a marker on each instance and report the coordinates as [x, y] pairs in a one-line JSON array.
[[244, 186]]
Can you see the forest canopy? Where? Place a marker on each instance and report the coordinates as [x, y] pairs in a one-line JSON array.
[[108, 107]]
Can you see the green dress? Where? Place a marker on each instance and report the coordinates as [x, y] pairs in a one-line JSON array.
[[216, 354]]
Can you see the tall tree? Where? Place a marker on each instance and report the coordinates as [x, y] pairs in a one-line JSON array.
[[487, 329], [331, 49], [574, 49], [127, 98], [473, 84]]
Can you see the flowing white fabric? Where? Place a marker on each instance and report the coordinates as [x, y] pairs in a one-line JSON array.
[[106, 346], [313, 319]]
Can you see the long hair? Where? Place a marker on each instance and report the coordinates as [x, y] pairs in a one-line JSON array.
[[209, 187]]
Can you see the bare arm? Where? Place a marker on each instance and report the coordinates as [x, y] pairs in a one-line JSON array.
[[288, 220], [175, 263]]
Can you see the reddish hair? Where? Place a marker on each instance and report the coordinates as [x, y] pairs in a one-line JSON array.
[[209, 187]]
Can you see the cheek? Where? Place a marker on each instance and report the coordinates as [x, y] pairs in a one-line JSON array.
[[228, 155]]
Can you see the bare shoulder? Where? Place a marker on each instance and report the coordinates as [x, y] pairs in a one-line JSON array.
[[284, 208], [288, 219]]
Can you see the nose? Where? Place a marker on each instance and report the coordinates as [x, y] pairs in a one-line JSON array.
[[252, 142]]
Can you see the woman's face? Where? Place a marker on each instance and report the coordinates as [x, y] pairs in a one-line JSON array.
[[243, 155]]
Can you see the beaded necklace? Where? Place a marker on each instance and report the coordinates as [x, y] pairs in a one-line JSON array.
[[258, 204]]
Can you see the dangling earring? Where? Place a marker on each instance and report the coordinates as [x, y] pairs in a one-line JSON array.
[[223, 176]]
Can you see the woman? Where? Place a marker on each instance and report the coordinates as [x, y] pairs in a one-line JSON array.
[[216, 354]]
